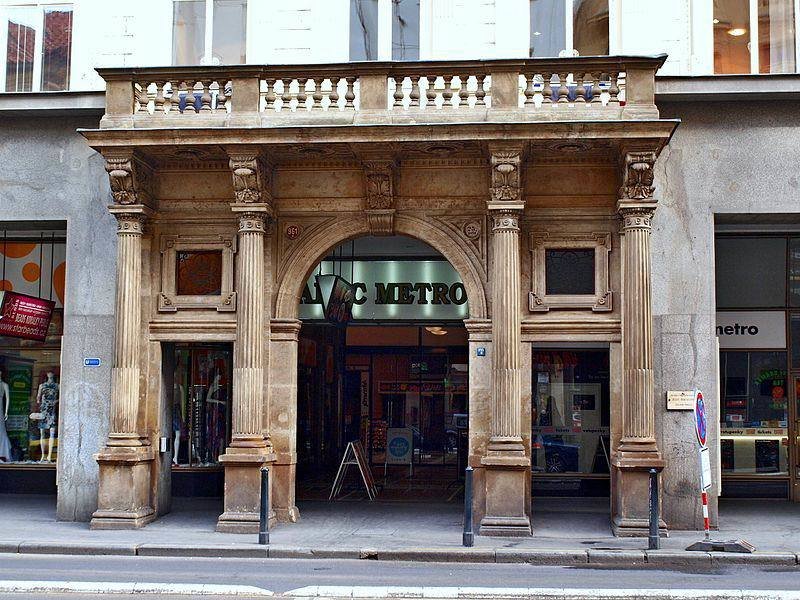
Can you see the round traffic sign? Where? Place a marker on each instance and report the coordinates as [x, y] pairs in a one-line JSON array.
[[700, 422]]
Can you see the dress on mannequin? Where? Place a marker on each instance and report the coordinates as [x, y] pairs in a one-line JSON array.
[[48, 399], [5, 400], [215, 420]]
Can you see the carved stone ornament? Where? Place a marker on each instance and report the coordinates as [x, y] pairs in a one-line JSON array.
[[130, 223], [251, 222], [129, 179], [505, 221], [636, 217], [251, 178], [506, 180], [379, 187], [638, 176]]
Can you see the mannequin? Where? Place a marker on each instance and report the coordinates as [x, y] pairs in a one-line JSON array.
[[47, 395], [5, 400], [215, 419], [178, 418]]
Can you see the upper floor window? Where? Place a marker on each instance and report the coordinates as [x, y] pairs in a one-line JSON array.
[[568, 27], [38, 47], [365, 41], [405, 29], [754, 36], [209, 32], [363, 29]]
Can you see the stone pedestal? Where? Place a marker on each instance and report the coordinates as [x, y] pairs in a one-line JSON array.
[[124, 497], [250, 448], [637, 451]]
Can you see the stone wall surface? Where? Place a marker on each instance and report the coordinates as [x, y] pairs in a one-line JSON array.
[[50, 173], [725, 158]]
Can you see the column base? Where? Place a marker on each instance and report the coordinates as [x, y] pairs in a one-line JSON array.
[[629, 527], [287, 515], [123, 499], [243, 489], [507, 478], [631, 493]]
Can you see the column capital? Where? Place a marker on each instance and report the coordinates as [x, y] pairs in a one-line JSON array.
[[130, 177], [253, 216], [636, 215], [130, 217], [252, 176], [506, 218], [638, 176]]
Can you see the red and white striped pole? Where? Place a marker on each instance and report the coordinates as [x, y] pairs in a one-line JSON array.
[[706, 526]]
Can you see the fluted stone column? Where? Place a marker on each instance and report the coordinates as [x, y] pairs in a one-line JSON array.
[[124, 494], [250, 448], [637, 450], [507, 466]]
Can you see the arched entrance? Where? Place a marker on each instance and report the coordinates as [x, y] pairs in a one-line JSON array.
[[399, 369]]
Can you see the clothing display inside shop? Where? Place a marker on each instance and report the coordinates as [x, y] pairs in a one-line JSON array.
[[47, 397], [201, 404], [5, 443]]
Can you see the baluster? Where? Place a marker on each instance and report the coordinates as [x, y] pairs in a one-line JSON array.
[[334, 93], [613, 91], [302, 97], [547, 90], [141, 98], [205, 99], [597, 97], [530, 92], [414, 94], [463, 92], [580, 90], [189, 108], [226, 92], [430, 91], [563, 90], [316, 95], [447, 92], [160, 104], [349, 95], [480, 93], [269, 93], [286, 94], [398, 92]]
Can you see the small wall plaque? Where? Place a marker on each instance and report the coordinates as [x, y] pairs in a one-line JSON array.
[[680, 400]]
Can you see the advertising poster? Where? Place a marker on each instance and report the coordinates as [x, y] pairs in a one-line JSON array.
[[19, 376]]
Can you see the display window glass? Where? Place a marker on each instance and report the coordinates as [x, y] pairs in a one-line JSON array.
[[32, 264], [570, 411], [751, 272], [201, 404], [754, 412]]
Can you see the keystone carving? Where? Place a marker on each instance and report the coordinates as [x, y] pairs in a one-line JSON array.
[[638, 176], [130, 179], [252, 180], [506, 179], [379, 198]]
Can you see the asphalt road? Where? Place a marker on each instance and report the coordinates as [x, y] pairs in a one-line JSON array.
[[280, 575]]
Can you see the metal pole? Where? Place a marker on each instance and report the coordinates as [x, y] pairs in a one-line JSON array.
[[468, 538], [263, 526], [653, 539]]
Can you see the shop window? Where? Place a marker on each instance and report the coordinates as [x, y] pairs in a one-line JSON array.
[[754, 36], [794, 272], [570, 271], [559, 28], [794, 325], [201, 404], [223, 21], [750, 272], [33, 270], [754, 412], [38, 47], [197, 272], [570, 413], [405, 29], [364, 29]]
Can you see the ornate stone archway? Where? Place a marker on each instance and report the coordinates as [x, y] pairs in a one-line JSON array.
[[285, 327]]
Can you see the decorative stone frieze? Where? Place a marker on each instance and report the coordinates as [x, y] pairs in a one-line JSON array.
[[379, 196]]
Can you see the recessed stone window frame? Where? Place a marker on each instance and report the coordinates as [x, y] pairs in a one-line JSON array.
[[168, 298], [540, 242]]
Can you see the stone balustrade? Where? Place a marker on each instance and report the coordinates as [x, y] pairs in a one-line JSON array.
[[591, 88]]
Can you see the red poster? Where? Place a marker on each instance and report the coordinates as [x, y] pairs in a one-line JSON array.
[[25, 317]]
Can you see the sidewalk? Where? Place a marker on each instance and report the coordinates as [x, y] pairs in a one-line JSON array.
[[572, 531]]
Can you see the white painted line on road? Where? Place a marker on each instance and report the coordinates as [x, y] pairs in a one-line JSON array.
[[138, 587], [474, 593]]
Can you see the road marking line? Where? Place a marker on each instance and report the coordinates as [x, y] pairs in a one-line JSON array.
[[138, 587]]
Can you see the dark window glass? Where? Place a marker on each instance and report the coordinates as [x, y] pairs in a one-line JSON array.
[[548, 27], [794, 272], [750, 272], [57, 48], [188, 32], [229, 35], [570, 411], [795, 332], [405, 29], [20, 47], [363, 29], [754, 412], [590, 27], [199, 273], [569, 271]]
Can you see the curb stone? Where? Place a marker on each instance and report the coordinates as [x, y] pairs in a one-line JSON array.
[[678, 558], [77, 548], [241, 551], [91, 587], [616, 557], [449, 555], [9, 547], [542, 557], [781, 559]]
